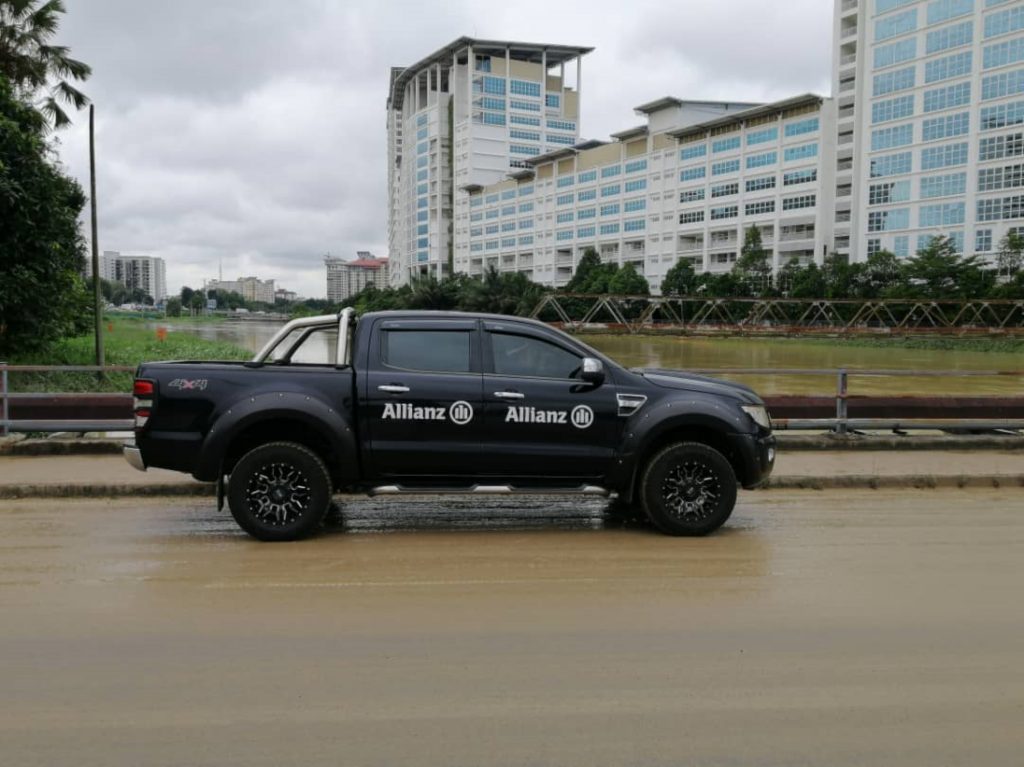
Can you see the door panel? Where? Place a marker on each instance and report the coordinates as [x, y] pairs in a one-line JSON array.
[[423, 423], [539, 420]]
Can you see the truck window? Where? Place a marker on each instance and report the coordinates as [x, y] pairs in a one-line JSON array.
[[320, 347], [437, 351], [525, 356]]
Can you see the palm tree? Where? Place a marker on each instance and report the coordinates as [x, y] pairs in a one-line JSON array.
[[32, 65]]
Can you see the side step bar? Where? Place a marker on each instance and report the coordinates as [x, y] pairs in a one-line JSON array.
[[489, 489]]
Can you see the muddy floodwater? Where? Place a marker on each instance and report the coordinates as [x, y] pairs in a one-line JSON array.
[[686, 353], [817, 628]]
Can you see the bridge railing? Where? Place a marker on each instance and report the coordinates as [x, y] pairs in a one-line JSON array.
[[586, 311], [112, 412]]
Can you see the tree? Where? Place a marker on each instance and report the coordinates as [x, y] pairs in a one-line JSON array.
[[881, 275], [627, 281], [32, 64], [798, 281], [42, 254], [939, 271], [753, 265], [186, 296], [592, 275], [1010, 258], [173, 307], [681, 279]]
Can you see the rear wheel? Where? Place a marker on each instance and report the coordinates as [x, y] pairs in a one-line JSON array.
[[688, 489], [279, 492]]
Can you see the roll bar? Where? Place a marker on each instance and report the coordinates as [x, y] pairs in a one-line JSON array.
[[342, 318]]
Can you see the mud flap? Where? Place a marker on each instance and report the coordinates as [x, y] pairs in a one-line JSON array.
[[220, 491]]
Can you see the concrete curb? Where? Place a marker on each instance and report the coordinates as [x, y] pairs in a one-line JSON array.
[[855, 482], [794, 442]]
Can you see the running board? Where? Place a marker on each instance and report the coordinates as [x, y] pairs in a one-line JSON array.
[[488, 489]]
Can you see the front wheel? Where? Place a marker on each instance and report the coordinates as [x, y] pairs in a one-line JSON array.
[[688, 489], [279, 492]]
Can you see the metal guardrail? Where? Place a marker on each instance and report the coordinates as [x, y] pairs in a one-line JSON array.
[[841, 423]]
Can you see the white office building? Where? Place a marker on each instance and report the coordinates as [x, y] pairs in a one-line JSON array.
[[148, 273], [347, 278], [466, 116], [930, 125], [686, 184]]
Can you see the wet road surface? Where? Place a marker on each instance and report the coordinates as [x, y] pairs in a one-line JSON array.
[[818, 628]]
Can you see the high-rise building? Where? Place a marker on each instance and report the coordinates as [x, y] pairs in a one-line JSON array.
[[252, 289], [147, 273], [930, 124], [463, 118], [346, 278]]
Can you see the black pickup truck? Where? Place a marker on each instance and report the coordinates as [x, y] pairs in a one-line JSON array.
[[447, 402]]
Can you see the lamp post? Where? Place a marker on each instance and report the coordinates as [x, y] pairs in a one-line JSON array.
[[97, 294]]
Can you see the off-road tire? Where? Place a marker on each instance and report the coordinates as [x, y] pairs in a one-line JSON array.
[[688, 488], [279, 491]]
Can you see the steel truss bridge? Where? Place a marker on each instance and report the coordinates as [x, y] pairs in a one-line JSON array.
[[780, 316]]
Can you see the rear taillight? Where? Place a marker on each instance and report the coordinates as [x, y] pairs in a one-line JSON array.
[[143, 392]]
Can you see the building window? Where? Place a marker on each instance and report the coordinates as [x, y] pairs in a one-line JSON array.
[[762, 206], [524, 88], [945, 127], [727, 211], [942, 10], [808, 125], [696, 194], [524, 135], [1001, 54], [565, 181], [760, 160], [799, 177], [689, 174], [634, 225], [609, 228], [525, 207], [983, 240], [763, 136], [890, 138], [611, 189], [897, 25], [587, 194], [957, 65], [564, 234], [636, 185], [695, 150], [801, 152], [1004, 22], [1005, 84], [944, 156], [1002, 116], [874, 246], [890, 82], [943, 214], [893, 191], [949, 37], [947, 98], [586, 213], [525, 190], [691, 217], [585, 231], [1007, 177], [561, 125], [892, 109], [901, 246], [551, 101], [726, 144], [491, 229], [720, 168], [945, 185], [755, 184], [1001, 208], [636, 165], [795, 203], [724, 190], [611, 170], [632, 206], [526, 223], [887, 220], [587, 176], [526, 106], [522, 149], [564, 218], [895, 53], [611, 209], [998, 147], [524, 120]]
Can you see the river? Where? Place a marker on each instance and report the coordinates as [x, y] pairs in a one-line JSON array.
[[686, 353]]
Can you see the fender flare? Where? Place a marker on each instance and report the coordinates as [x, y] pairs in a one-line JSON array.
[[311, 411]]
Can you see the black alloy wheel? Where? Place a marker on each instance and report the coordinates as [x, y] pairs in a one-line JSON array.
[[688, 488], [279, 492]]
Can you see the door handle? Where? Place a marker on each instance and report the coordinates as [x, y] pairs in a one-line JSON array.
[[393, 388], [509, 395]]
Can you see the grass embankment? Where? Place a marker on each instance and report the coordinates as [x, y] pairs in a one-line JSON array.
[[1003, 345], [126, 342]]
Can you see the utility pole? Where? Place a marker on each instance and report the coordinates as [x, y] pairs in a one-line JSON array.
[[97, 294]]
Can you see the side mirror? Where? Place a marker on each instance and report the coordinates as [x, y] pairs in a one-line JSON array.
[[593, 371]]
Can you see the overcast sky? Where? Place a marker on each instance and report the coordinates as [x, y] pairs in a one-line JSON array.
[[252, 132]]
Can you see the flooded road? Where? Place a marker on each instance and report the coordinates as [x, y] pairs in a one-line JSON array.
[[824, 628]]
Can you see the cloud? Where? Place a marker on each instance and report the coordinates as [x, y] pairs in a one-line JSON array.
[[253, 133]]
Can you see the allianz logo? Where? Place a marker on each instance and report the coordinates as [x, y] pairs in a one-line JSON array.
[[581, 416]]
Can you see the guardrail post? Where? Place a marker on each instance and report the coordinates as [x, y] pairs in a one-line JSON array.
[[3, 399], [841, 388]]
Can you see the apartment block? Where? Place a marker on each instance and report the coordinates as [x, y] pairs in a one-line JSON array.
[[468, 114], [686, 184], [930, 123], [148, 273], [346, 278], [252, 289]]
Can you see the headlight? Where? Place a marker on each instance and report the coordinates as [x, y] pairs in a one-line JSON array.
[[760, 415]]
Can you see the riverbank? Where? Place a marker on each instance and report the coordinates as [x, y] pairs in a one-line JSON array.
[[126, 341]]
